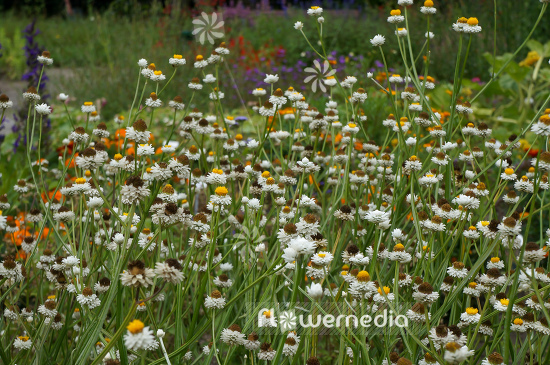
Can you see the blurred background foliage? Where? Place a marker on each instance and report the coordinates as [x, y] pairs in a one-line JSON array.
[[96, 44], [93, 41]]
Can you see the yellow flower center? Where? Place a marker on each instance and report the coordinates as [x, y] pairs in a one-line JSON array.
[[398, 247], [494, 260], [118, 157], [509, 171], [518, 321], [363, 275], [314, 7], [50, 297], [221, 191], [471, 311], [395, 12], [266, 174], [178, 56], [352, 125], [199, 58], [484, 223], [136, 326], [23, 338], [217, 171], [88, 103], [80, 181], [428, 3], [322, 255], [473, 21], [158, 73], [472, 285], [386, 290], [504, 301], [267, 314], [239, 137]]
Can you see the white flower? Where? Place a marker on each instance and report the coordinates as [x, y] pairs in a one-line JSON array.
[[298, 25], [215, 300], [170, 270], [271, 79], [233, 335], [315, 11], [315, 291], [138, 336], [455, 353], [43, 109], [22, 343]]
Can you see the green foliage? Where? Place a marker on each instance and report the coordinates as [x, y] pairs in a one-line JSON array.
[[13, 57]]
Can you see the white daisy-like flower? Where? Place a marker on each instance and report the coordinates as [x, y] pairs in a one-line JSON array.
[[43, 109], [177, 60], [22, 343], [271, 79], [88, 298], [470, 316], [139, 337], [214, 300], [233, 336], [170, 270], [456, 353], [137, 275], [378, 40]]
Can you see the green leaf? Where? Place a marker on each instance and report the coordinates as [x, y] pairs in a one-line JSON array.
[[516, 72], [536, 46]]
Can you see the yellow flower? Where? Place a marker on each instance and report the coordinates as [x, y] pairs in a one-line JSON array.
[[471, 311], [136, 326], [363, 276], [473, 21], [221, 191], [532, 58]]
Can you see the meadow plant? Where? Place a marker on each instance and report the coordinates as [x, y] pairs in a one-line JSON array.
[[205, 239]]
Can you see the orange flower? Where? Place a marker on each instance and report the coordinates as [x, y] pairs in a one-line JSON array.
[[58, 196], [120, 133], [70, 163]]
